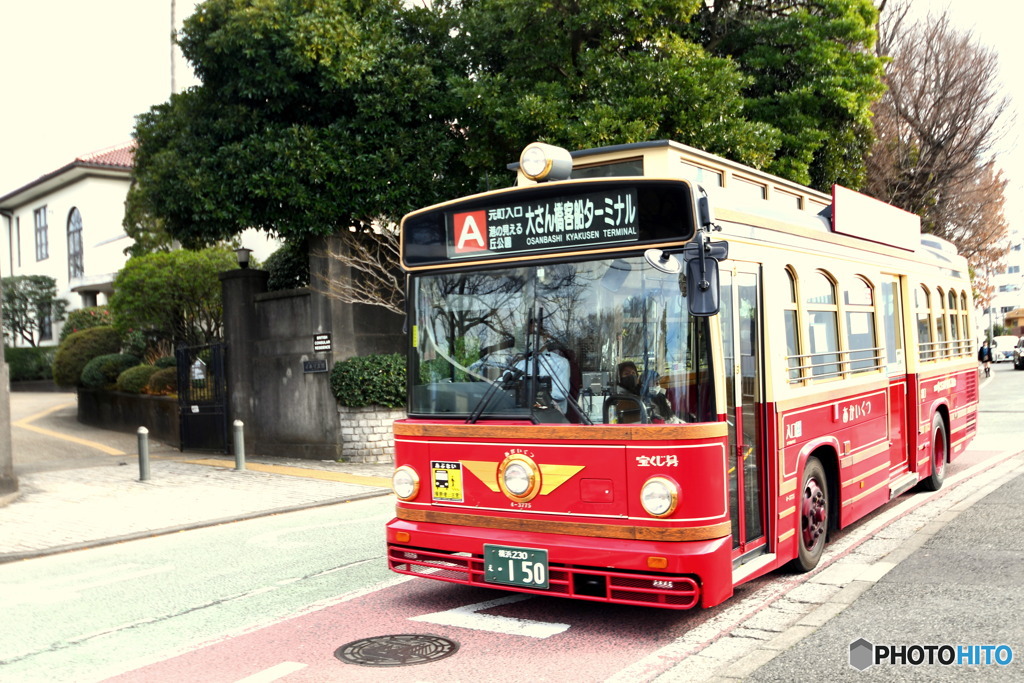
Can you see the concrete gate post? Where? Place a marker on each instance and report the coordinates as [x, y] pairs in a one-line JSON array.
[[239, 289]]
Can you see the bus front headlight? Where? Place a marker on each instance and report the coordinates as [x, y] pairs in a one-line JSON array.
[[519, 478], [405, 482], [659, 496]]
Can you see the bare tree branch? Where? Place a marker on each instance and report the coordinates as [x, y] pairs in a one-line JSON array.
[[371, 257], [936, 128]]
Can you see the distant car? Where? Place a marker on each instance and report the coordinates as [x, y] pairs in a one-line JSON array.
[[1018, 355], [1003, 346]]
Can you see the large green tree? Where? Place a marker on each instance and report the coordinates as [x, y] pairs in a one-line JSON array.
[[336, 117], [585, 74], [30, 307], [313, 116], [814, 77]]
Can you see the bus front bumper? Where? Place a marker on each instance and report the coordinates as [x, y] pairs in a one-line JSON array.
[[690, 573]]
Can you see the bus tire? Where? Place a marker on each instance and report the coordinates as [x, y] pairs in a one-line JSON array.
[[940, 455], [814, 516]]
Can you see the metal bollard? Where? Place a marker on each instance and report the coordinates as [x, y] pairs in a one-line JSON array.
[[143, 454], [239, 445]]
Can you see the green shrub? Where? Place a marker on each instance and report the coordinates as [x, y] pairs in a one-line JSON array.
[[136, 380], [30, 363], [102, 371], [166, 362], [370, 380], [78, 349], [135, 343], [85, 319], [163, 382]]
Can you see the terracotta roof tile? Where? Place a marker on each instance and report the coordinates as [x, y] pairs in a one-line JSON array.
[[117, 158], [121, 156]]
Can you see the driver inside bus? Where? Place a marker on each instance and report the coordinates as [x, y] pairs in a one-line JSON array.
[[553, 365], [653, 396], [555, 360]]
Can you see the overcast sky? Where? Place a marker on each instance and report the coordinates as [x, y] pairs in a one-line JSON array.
[[76, 72]]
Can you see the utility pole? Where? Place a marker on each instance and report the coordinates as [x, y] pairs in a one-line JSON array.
[[174, 42]]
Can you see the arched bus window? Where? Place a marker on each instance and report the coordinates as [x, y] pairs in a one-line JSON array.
[[966, 347], [922, 304], [860, 326], [793, 358], [822, 325], [954, 324], [941, 338]]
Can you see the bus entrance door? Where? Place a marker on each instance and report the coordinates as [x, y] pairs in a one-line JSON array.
[[896, 370], [741, 338]]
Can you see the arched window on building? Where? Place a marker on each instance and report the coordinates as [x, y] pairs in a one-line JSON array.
[[76, 260]]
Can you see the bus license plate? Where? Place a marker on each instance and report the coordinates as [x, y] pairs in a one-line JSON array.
[[525, 567]]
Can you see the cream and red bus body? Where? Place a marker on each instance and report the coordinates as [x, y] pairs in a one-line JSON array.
[[876, 431], [883, 450]]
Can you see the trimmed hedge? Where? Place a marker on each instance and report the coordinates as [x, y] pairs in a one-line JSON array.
[[136, 380], [166, 362], [102, 371], [163, 382], [30, 363], [78, 349], [370, 380]]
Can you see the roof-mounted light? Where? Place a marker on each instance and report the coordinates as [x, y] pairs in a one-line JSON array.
[[540, 161]]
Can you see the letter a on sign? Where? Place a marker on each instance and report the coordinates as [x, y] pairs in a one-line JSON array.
[[470, 232]]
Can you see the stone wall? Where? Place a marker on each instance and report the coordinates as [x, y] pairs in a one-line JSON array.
[[124, 412], [279, 381], [368, 434]]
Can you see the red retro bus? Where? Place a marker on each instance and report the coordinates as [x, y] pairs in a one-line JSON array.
[[607, 404]]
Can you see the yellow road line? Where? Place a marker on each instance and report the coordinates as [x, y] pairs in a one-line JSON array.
[[26, 423], [326, 475]]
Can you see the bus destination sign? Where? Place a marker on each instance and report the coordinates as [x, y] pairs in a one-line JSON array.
[[591, 219]]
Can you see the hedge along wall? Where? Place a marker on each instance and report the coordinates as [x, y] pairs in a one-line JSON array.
[[368, 433]]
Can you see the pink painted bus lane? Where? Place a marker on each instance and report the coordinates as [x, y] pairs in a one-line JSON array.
[[501, 636]]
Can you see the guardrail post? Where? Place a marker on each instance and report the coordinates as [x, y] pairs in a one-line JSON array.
[[239, 445], [143, 454]]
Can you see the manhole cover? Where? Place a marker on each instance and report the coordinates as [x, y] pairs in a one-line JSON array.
[[399, 650]]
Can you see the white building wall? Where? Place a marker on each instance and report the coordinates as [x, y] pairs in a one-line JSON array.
[[100, 201]]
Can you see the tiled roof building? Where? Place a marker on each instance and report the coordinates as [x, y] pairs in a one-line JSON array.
[[67, 224]]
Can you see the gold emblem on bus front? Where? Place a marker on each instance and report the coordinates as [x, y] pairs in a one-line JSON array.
[[518, 475]]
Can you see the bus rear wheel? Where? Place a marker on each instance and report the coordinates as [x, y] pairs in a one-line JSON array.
[[940, 454], [814, 516]]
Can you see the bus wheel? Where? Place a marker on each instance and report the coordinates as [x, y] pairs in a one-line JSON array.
[[940, 454], [814, 509]]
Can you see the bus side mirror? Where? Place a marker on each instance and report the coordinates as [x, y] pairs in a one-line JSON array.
[[702, 289], [703, 292], [705, 214]]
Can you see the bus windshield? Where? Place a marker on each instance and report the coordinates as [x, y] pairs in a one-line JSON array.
[[592, 342]]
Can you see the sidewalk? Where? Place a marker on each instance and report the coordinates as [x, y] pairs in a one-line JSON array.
[[938, 570], [101, 500]]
